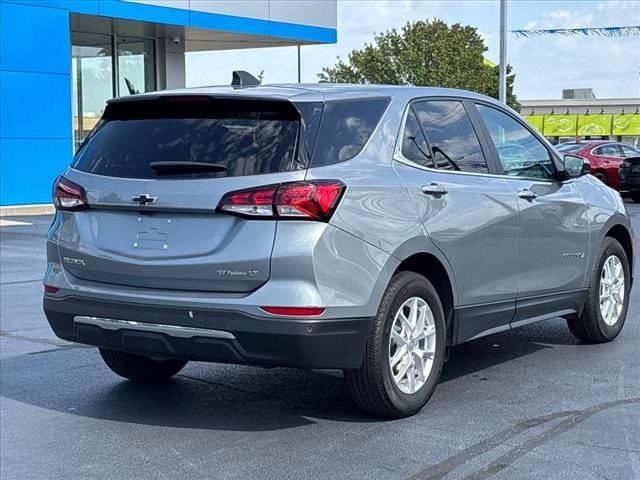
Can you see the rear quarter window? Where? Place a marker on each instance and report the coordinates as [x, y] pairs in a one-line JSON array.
[[345, 129]]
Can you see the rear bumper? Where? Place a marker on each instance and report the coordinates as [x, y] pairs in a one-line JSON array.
[[224, 336], [629, 183]]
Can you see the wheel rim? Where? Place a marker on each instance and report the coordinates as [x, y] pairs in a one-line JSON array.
[[412, 345], [612, 290]]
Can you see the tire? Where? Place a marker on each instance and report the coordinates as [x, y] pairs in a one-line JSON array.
[[592, 326], [139, 368], [372, 386], [602, 177], [635, 197]]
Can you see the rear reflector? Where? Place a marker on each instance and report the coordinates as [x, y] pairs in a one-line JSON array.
[[294, 311], [311, 200], [68, 195], [50, 289]]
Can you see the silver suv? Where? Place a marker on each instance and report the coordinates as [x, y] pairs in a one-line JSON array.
[[363, 228]]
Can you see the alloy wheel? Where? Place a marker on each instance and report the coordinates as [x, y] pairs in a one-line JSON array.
[[612, 290], [412, 345]]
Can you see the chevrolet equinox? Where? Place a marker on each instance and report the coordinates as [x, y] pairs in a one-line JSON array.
[[362, 228]]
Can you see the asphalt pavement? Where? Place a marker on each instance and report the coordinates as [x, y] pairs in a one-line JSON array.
[[530, 403]]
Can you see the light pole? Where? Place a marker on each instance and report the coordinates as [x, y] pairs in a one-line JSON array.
[[502, 88], [299, 66]]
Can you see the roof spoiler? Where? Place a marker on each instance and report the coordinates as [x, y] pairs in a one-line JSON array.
[[243, 79]]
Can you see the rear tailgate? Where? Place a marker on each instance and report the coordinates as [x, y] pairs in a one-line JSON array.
[[159, 229]]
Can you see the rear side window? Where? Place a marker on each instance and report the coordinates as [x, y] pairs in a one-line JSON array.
[[414, 146], [345, 128], [241, 137], [453, 140]]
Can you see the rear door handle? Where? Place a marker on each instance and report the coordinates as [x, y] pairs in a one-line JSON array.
[[527, 194], [434, 189]]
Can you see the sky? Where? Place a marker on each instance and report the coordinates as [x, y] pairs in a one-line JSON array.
[[544, 65]]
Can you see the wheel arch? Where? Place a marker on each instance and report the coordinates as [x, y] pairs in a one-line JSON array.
[[623, 236], [433, 268]]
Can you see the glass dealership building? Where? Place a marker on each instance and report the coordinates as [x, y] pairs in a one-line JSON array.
[[61, 60]]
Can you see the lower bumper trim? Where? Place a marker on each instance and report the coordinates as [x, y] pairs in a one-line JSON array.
[[171, 330]]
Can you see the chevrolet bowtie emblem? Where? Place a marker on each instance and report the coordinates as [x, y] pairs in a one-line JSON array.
[[144, 199]]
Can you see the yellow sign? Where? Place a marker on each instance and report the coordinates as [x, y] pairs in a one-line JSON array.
[[626, 124], [594, 125], [560, 125], [536, 121]]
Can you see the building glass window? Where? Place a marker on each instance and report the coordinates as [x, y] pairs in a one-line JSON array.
[[136, 66], [92, 80], [94, 72]]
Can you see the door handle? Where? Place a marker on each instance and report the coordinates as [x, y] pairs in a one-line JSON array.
[[434, 189], [527, 194]]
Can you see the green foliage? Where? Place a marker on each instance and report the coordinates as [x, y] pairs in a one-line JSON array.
[[423, 53]]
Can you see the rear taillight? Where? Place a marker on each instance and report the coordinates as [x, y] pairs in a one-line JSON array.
[[312, 200], [294, 311], [51, 289], [68, 195]]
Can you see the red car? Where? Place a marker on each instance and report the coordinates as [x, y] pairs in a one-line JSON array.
[[605, 157]]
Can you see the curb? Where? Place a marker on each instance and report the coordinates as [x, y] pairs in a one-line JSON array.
[[21, 210]]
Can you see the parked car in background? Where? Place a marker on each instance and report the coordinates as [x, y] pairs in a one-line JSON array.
[[630, 177], [364, 228], [604, 156]]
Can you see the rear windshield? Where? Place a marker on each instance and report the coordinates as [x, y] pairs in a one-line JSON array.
[[569, 147], [241, 137]]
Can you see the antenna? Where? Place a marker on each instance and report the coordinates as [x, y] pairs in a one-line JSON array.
[[243, 79]]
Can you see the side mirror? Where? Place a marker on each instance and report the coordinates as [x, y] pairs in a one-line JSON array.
[[576, 166]]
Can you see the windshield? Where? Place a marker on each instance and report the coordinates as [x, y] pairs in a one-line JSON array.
[[239, 137]]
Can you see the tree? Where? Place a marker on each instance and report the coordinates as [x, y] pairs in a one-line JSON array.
[[423, 53]]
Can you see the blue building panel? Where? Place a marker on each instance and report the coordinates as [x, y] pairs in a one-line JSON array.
[[28, 168], [143, 12], [36, 141], [35, 105], [34, 39]]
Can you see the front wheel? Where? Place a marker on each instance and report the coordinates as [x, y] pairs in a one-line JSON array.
[[405, 350], [607, 298], [140, 368]]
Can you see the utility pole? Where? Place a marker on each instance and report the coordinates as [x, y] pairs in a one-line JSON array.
[[502, 88]]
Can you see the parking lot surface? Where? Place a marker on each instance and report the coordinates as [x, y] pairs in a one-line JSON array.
[[531, 403]]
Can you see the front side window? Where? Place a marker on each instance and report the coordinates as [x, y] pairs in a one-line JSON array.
[[345, 127], [609, 150], [414, 146], [520, 152], [453, 140]]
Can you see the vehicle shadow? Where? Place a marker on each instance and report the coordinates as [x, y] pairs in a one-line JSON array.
[[215, 396]]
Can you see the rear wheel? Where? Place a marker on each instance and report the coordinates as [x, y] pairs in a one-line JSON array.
[[607, 298], [404, 352], [140, 368], [602, 177], [635, 196]]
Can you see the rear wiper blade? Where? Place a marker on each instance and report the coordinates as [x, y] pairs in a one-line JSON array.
[[168, 168]]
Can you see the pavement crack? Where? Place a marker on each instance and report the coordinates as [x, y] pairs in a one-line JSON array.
[[572, 418], [41, 341], [19, 282]]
